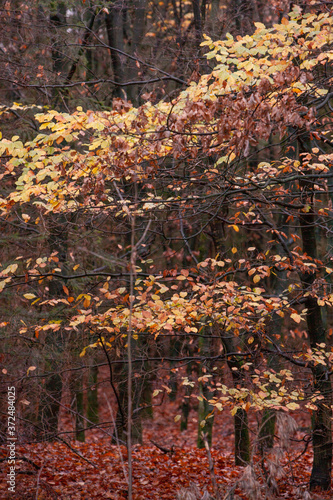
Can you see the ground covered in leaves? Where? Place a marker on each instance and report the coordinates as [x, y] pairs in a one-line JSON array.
[[167, 461]]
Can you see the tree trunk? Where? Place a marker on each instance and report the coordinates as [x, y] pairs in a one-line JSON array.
[[50, 402], [52, 390], [241, 425], [115, 31], [58, 20], [278, 285], [214, 21], [122, 417], [175, 346], [79, 408], [137, 37], [186, 405], [321, 421], [267, 430], [205, 410], [92, 397], [242, 14], [242, 438]]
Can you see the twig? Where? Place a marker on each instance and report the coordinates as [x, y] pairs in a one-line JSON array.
[[84, 418], [112, 383], [38, 481], [51, 492], [117, 439], [185, 239], [230, 494], [76, 452], [164, 450], [211, 468], [82, 46], [129, 346]]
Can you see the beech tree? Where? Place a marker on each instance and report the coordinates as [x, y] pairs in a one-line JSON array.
[[211, 215]]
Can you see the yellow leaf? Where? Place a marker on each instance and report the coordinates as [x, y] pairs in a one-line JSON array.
[[296, 317], [10, 269], [29, 296], [256, 278], [177, 418], [234, 250], [234, 411], [86, 301], [292, 406]]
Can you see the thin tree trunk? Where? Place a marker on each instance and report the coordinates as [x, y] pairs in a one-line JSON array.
[[205, 410], [197, 22], [79, 406], [214, 21], [52, 390], [185, 405], [92, 397], [175, 346], [241, 425]]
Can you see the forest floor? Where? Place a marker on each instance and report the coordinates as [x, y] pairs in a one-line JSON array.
[[167, 461]]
